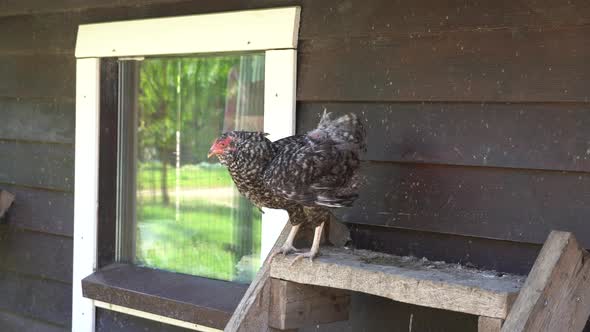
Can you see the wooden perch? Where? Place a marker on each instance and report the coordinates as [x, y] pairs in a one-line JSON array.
[[555, 296], [6, 200], [406, 279]]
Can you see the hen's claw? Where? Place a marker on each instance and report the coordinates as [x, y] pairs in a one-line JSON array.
[[285, 250], [310, 254]]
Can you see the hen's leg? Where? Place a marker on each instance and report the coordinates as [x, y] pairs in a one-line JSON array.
[[287, 247], [315, 247]]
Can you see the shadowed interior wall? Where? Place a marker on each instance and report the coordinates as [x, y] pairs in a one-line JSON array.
[[477, 115]]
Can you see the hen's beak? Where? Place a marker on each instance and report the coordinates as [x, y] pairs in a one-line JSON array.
[[213, 152]]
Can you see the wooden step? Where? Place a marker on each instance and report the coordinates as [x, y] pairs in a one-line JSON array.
[[406, 279], [554, 297]]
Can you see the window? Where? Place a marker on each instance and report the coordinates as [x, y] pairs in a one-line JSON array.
[[176, 210], [184, 212]]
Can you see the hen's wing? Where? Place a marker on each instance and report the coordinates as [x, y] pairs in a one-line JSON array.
[[280, 144], [318, 168]]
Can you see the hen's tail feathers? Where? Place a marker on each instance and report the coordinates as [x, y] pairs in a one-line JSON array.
[[347, 129]]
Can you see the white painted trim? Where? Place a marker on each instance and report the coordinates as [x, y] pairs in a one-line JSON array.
[[158, 318], [250, 30], [280, 76], [86, 188], [272, 30]]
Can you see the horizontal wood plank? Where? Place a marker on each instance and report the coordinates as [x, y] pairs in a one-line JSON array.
[[498, 65], [42, 75], [40, 34], [37, 120], [12, 322], [12, 8], [53, 26], [37, 165], [187, 298], [533, 136], [46, 300], [42, 210], [112, 321], [409, 280], [336, 18], [38, 254], [521, 206], [476, 252]]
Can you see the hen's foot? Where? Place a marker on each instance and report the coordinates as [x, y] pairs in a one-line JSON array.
[[285, 250], [310, 254]]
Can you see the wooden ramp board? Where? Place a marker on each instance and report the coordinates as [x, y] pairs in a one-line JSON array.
[[406, 279], [556, 294]]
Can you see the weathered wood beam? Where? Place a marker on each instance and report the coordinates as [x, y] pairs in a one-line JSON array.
[[405, 279], [294, 305], [252, 312], [489, 324], [556, 294]]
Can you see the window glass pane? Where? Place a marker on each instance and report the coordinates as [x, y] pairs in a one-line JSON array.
[[189, 216]]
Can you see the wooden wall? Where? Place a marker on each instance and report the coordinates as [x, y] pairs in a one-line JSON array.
[[477, 112]]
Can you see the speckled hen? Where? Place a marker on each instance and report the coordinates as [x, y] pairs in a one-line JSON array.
[[303, 174]]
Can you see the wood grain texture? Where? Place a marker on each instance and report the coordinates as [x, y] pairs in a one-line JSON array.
[[498, 65], [42, 210], [531, 136], [37, 165], [473, 201], [12, 322], [37, 120], [488, 324], [39, 254], [251, 313], [456, 249], [294, 305], [556, 294], [45, 300], [409, 280]]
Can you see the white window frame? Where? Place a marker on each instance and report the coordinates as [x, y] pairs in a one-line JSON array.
[[273, 31]]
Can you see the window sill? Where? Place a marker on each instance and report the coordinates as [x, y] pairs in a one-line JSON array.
[[197, 300]]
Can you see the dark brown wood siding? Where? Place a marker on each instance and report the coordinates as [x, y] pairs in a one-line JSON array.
[[478, 116]]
